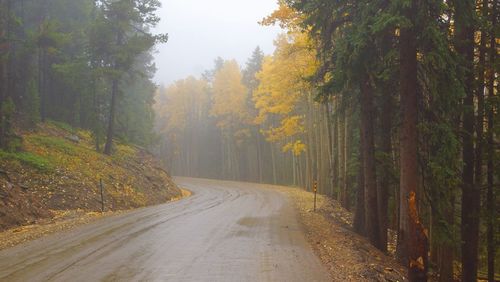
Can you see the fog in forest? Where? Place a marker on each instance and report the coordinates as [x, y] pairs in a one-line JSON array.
[[200, 31], [389, 108]]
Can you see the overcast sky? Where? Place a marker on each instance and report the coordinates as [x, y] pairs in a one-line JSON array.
[[201, 30]]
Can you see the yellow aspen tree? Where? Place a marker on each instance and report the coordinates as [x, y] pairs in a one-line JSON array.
[[283, 90], [230, 108]]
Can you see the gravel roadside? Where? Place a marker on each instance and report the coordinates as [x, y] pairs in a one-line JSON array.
[[347, 256], [62, 221]]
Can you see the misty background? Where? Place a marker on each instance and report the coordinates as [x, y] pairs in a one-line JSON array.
[[200, 31]]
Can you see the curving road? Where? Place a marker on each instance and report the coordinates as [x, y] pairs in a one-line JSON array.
[[226, 231]]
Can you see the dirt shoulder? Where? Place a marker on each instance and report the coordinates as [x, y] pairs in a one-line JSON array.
[[61, 221], [347, 256]]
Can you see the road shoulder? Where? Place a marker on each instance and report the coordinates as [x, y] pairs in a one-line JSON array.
[[346, 255], [62, 221]]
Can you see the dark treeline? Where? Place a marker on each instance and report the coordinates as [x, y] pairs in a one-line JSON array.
[[398, 120], [87, 63]]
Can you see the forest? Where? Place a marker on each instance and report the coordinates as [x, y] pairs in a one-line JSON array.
[[58, 63], [390, 106]]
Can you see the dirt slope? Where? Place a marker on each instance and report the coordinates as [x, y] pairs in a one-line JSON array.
[[58, 170]]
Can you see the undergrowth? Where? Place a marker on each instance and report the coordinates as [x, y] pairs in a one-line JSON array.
[[54, 143], [38, 162], [62, 125]]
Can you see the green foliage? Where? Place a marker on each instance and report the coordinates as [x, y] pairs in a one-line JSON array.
[[7, 111], [254, 65], [54, 143], [31, 105], [62, 125], [135, 111], [67, 53], [38, 162]]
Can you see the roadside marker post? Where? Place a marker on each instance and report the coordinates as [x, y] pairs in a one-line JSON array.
[[315, 190], [102, 195]]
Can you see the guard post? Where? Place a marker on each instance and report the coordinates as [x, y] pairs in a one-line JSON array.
[[102, 194], [315, 190]]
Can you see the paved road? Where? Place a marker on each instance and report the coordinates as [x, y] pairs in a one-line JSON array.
[[226, 231]]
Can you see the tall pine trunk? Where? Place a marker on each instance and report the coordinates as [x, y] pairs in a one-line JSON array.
[[385, 175], [359, 215], [3, 72], [42, 62], [464, 18], [445, 250], [345, 192], [331, 155], [341, 154], [412, 241], [490, 194], [478, 169], [368, 149], [108, 148]]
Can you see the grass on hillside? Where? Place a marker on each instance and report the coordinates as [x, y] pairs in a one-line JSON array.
[[33, 160], [50, 148]]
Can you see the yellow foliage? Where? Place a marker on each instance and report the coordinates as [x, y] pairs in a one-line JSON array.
[[179, 101], [285, 16], [284, 88], [230, 102], [182, 103], [229, 96], [296, 147]]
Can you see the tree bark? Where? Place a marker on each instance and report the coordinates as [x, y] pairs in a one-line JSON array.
[[331, 155], [345, 188], [385, 179], [42, 62], [464, 18], [3, 71], [445, 256], [259, 155], [359, 215], [480, 105], [273, 159], [412, 240], [341, 156], [370, 178], [108, 148], [490, 194]]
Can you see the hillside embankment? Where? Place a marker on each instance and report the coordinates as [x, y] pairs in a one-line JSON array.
[[56, 175]]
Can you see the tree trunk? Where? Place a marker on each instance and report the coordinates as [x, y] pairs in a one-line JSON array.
[[464, 18], [259, 154], [335, 146], [42, 61], [445, 256], [412, 240], [341, 155], [385, 179], [331, 155], [95, 117], [108, 148], [273, 159], [41, 84], [490, 194], [3, 72], [359, 215], [345, 187], [370, 178], [478, 169]]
